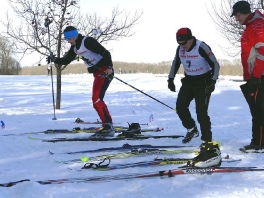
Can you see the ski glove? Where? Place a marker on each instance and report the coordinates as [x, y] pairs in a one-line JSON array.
[[51, 58], [171, 84], [210, 86], [254, 84], [91, 69]]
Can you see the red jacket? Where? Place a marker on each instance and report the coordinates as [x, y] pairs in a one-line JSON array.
[[252, 46]]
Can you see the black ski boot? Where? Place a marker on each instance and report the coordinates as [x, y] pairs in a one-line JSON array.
[[78, 120], [191, 133], [209, 156], [133, 130]]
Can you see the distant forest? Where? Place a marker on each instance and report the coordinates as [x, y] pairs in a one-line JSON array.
[[233, 68]]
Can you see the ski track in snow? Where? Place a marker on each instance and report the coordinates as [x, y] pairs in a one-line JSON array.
[[26, 106]]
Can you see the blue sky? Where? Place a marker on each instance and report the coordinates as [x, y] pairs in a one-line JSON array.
[[154, 39]]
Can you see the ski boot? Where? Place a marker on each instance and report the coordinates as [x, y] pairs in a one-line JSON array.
[[191, 133], [209, 156], [107, 131]]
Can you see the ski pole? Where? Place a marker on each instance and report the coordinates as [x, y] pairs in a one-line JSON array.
[[47, 23], [143, 93], [174, 109]]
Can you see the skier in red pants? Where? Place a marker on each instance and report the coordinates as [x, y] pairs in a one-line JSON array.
[[99, 62]]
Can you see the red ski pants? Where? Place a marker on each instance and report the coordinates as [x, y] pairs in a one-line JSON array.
[[100, 85]]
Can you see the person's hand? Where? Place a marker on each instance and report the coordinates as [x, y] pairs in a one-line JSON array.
[[51, 58], [254, 84], [171, 84], [210, 86], [109, 71]]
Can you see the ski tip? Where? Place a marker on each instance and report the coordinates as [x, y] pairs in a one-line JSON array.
[[9, 184], [32, 138], [51, 153]]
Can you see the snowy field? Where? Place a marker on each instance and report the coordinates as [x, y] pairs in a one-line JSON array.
[[26, 106]]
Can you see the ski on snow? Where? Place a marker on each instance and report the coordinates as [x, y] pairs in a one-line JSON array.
[[135, 152], [9, 184], [118, 129], [252, 150], [168, 173], [124, 147], [105, 163], [116, 138]]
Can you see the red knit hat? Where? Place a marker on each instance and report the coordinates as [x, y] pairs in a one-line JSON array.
[[183, 34]]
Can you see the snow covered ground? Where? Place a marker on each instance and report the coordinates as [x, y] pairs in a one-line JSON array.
[[26, 106]]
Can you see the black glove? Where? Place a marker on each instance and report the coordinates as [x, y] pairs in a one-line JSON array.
[[51, 58], [254, 84], [171, 84], [210, 86], [91, 69]]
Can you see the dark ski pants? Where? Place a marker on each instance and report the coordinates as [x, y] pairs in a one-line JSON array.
[[100, 85], [256, 106], [194, 89]]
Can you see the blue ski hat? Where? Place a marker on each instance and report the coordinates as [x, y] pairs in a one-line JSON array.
[[70, 32]]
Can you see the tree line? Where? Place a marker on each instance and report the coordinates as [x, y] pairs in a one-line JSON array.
[[232, 68]]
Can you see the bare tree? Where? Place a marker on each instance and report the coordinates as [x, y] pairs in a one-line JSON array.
[[30, 34], [8, 64], [231, 30]]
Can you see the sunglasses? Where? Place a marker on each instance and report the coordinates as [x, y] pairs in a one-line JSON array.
[[183, 43]]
